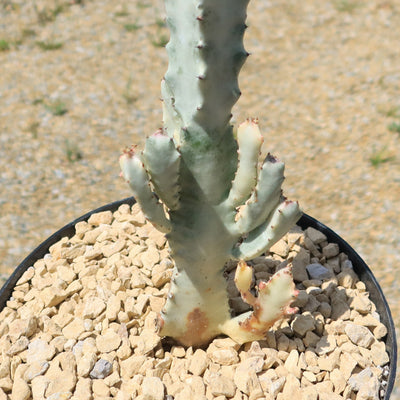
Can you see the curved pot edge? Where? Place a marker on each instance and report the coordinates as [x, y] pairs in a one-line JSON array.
[[360, 267]]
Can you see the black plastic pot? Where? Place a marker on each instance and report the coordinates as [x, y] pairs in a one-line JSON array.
[[306, 221]]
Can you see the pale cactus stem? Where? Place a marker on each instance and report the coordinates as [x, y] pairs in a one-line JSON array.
[[202, 187]]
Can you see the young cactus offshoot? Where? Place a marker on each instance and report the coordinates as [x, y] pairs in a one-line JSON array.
[[204, 189]]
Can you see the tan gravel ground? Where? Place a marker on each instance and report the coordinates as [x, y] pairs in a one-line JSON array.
[[81, 81]]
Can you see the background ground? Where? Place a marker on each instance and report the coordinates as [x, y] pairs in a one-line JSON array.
[[80, 81]]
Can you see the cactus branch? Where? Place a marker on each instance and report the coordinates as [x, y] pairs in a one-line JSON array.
[[249, 142], [265, 197], [135, 174], [162, 161], [205, 54], [272, 303], [267, 234]]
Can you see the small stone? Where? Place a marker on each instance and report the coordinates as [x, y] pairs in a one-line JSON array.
[[245, 376], [330, 362], [347, 278], [104, 217], [83, 389], [309, 393], [101, 369], [280, 248], [303, 323], [26, 276], [359, 335], [361, 304], [113, 248], [60, 381], [330, 250], [152, 388], [271, 358], [198, 362], [299, 263], [65, 273], [227, 356], [161, 274], [380, 331], [315, 235], [292, 388], [379, 356], [318, 271], [19, 327], [74, 329], [291, 364], [221, 385], [340, 309], [86, 363], [325, 345], [276, 386], [36, 368], [310, 376], [108, 341], [338, 379], [150, 257], [52, 296], [113, 308], [366, 384], [329, 396], [146, 342], [131, 366], [20, 390], [100, 389], [60, 396], [39, 350], [6, 384], [20, 345], [347, 365], [94, 306], [301, 299]]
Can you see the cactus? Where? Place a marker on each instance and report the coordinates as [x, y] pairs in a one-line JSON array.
[[203, 188]]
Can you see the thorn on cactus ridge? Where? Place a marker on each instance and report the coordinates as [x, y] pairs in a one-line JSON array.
[[130, 152], [200, 18], [201, 77]]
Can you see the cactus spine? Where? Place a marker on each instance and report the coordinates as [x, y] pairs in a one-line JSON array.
[[193, 177]]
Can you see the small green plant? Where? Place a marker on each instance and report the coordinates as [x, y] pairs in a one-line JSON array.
[[49, 45], [33, 128], [4, 45], [160, 23], [393, 112], [57, 108], [72, 151], [142, 4], [394, 127], [380, 157], [129, 95], [346, 5], [46, 15], [131, 27], [160, 39], [122, 13]]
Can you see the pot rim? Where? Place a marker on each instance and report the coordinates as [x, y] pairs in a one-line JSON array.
[[360, 267]]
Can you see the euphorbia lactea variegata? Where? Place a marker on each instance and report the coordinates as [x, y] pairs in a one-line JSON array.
[[204, 189]]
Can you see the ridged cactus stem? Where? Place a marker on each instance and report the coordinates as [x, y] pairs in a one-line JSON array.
[[205, 54], [195, 182]]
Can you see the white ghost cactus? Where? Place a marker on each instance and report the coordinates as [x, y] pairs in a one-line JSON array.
[[204, 189]]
